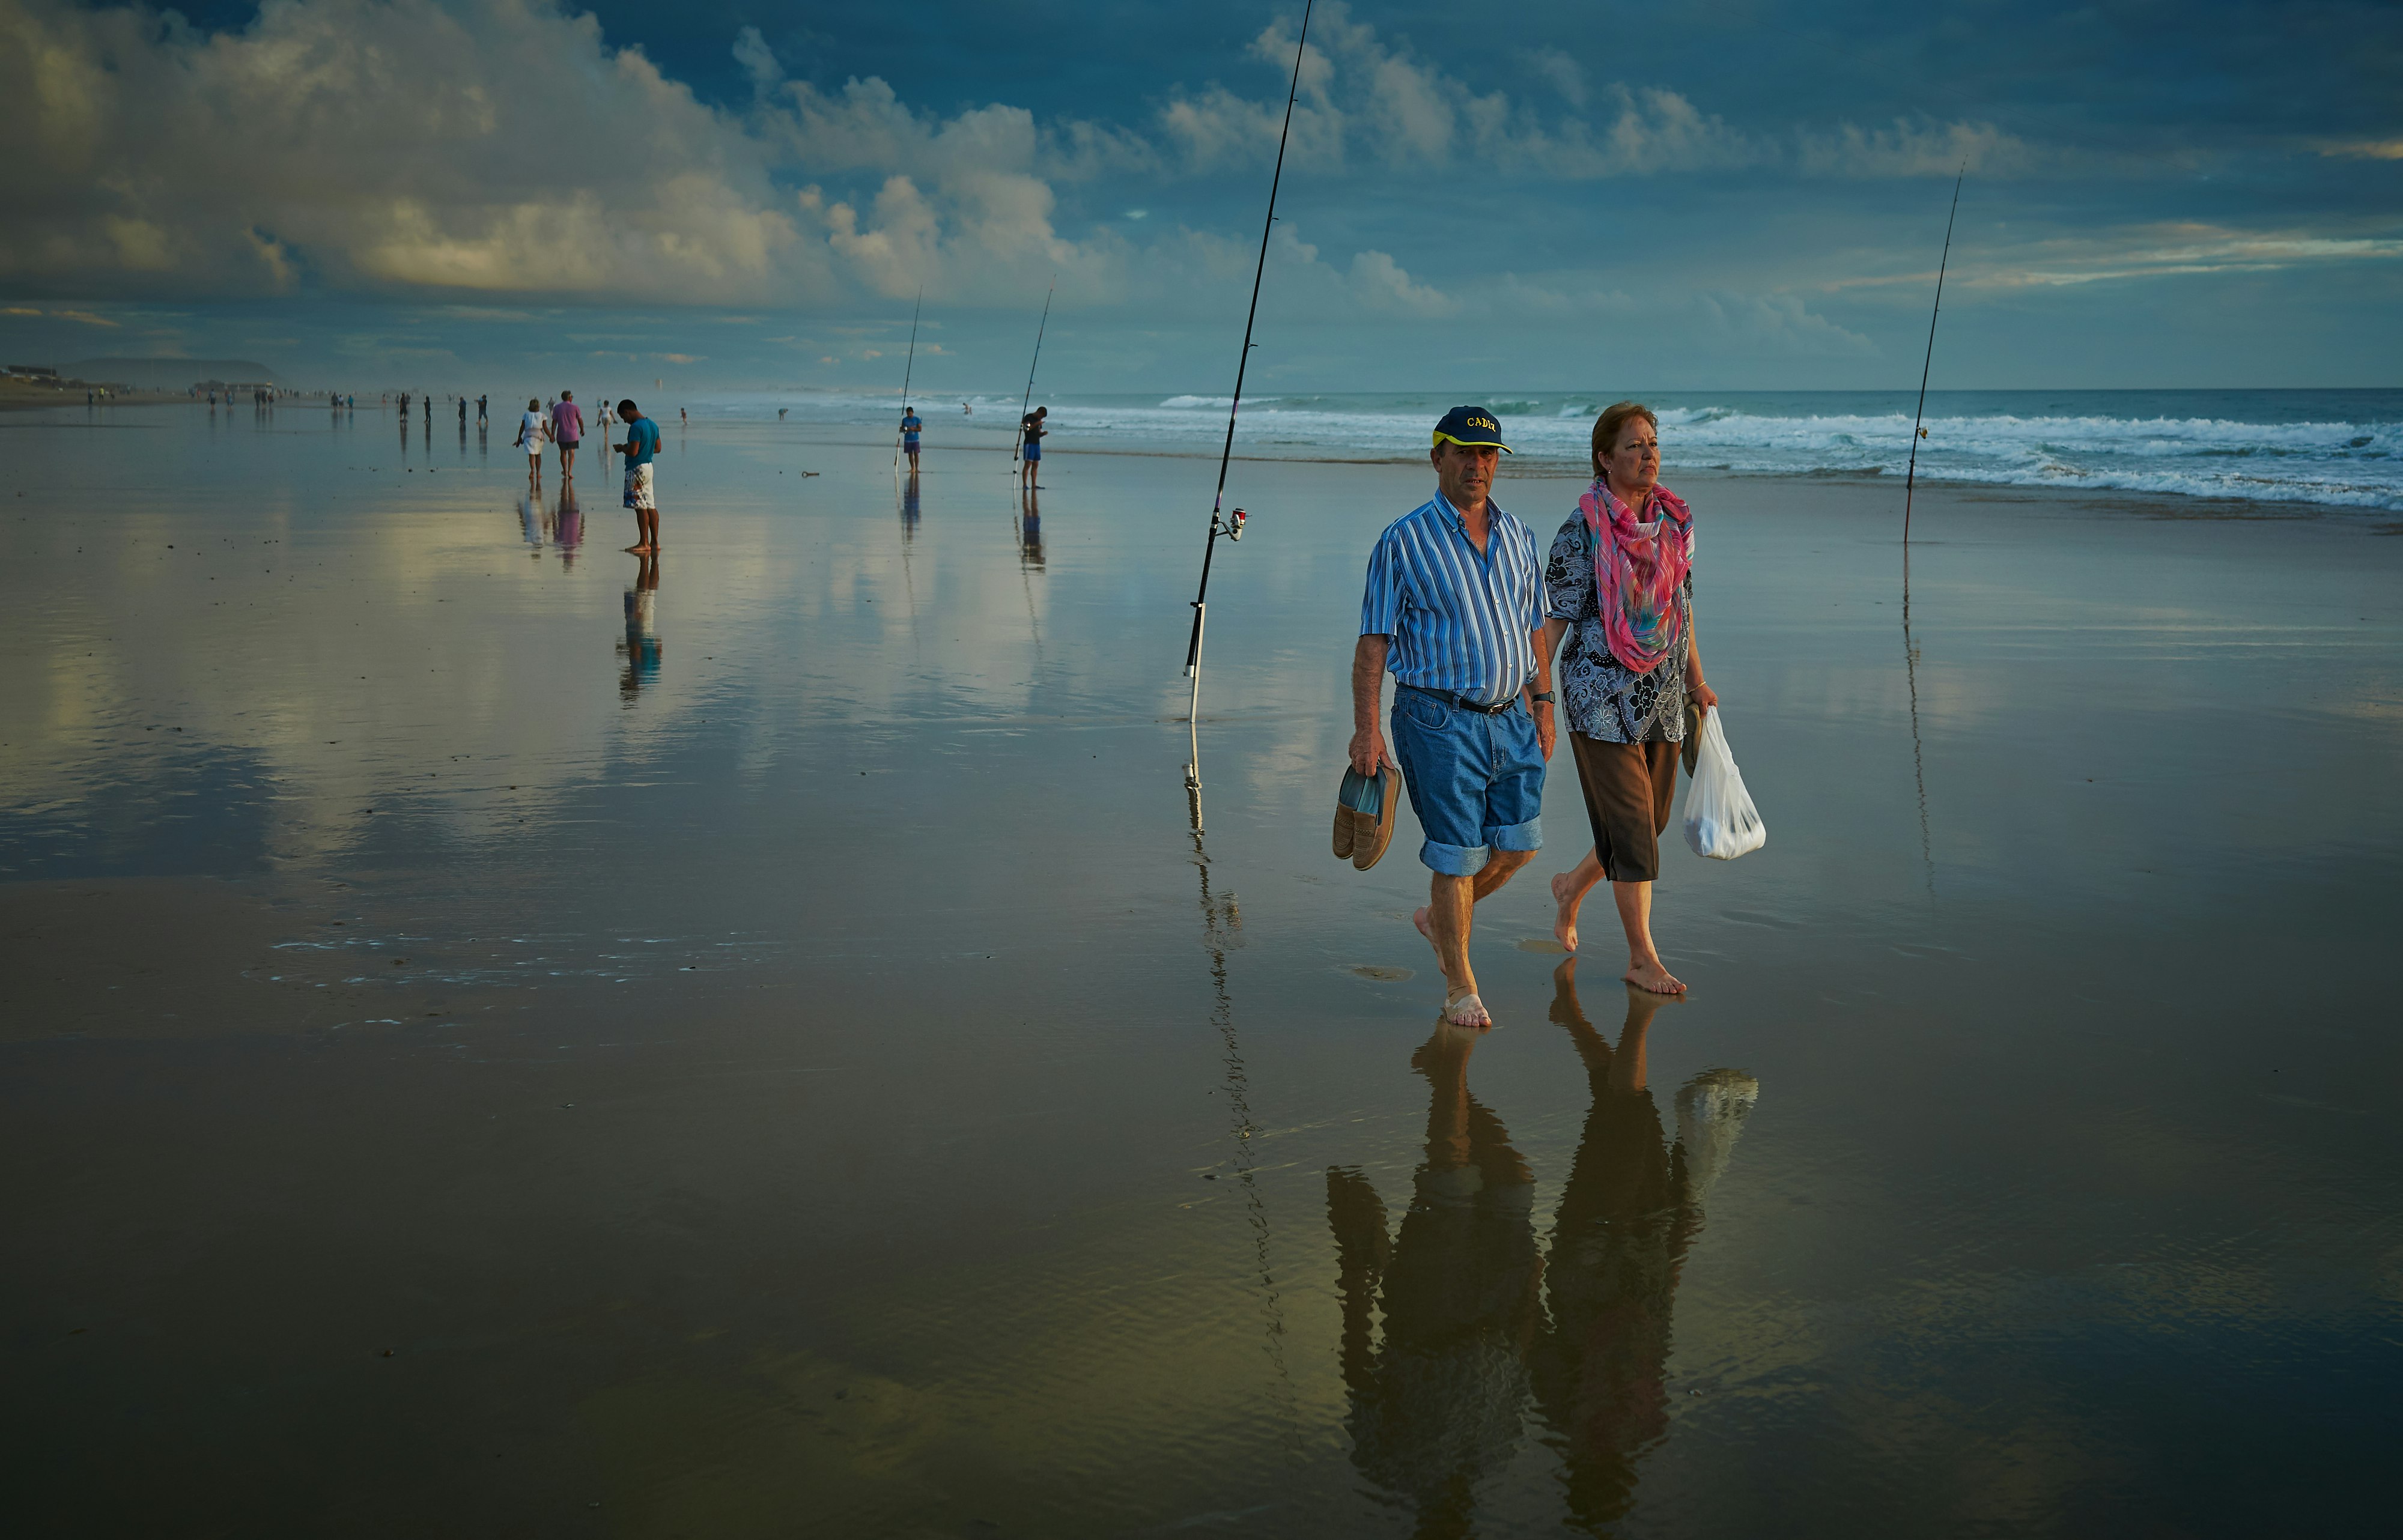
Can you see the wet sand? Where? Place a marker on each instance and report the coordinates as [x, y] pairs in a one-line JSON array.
[[826, 1083]]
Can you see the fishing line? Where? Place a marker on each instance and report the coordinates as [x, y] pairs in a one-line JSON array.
[[1217, 525], [1911, 476], [1029, 396]]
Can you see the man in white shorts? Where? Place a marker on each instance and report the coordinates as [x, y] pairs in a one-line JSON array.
[[642, 446]]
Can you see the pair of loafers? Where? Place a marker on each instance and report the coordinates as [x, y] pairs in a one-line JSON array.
[[1363, 815]]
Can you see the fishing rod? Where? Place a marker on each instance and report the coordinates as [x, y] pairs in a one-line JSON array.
[[1218, 526], [905, 372], [1911, 476], [1029, 396]]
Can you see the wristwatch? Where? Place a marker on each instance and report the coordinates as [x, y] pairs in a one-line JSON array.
[[1541, 695]]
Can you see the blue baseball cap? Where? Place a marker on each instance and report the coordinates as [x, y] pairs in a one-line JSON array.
[[1471, 428]]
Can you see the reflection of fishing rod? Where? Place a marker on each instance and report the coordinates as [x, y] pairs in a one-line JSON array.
[[1029, 396], [1235, 530], [1918, 761], [905, 371], [1222, 930], [1918, 433]]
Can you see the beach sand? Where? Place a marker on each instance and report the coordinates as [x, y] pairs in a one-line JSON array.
[[799, 1066]]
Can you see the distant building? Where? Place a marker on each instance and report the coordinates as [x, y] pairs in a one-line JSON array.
[[32, 372]]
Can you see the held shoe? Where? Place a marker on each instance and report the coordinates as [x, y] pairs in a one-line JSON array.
[[1373, 832], [1358, 803]]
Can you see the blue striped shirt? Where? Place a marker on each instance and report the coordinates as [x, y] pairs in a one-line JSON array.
[[1460, 621]]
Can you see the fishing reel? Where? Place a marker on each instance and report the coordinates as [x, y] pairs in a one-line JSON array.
[[1235, 525]]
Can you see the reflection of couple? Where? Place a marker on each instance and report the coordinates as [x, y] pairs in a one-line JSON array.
[[564, 525], [1478, 1318]]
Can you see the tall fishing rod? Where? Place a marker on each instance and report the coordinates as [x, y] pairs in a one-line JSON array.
[[1218, 526], [906, 370], [1911, 476], [1029, 396]]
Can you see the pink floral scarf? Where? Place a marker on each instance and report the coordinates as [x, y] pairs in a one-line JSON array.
[[1637, 568]]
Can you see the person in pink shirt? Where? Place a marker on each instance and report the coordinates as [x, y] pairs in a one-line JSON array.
[[567, 428]]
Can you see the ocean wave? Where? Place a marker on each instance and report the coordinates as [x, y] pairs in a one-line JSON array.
[[2255, 447]]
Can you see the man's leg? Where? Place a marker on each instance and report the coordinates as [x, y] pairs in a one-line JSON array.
[[1450, 918]]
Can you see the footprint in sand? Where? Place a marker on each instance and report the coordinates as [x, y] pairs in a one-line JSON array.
[[1543, 943], [1378, 971]]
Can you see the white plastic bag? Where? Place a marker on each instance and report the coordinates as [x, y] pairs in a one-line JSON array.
[[1720, 820]]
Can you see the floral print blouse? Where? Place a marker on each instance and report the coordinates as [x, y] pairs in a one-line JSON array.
[[1602, 697]]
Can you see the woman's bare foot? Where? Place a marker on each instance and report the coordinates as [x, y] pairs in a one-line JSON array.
[[1461, 1009], [1564, 923], [1651, 975], [1419, 918], [638, 551]]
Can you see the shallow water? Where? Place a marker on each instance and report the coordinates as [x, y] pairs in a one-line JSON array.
[[787, 1059]]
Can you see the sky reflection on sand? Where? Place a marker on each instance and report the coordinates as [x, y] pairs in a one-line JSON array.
[[831, 1077]]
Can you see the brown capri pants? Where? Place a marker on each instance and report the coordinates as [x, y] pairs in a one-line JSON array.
[[1629, 790]]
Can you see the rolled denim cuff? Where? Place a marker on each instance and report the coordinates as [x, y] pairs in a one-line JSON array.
[[1454, 860], [1526, 836]]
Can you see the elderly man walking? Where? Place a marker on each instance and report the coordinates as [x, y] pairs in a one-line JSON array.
[[1454, 608]]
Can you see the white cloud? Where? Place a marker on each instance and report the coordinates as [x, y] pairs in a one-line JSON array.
[[1913, 149], [1409, 113], [1563, 73], [1379, 282]]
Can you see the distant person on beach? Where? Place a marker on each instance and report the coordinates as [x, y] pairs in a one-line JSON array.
[[463, 413], [530, 436], [482, 415], [567, 426], [684, 417], [780, 412], [1030, 429], [1454, 609], [1619, 589], [910, 424], [642, 446]]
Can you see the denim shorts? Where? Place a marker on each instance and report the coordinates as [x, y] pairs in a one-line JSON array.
[[1476, 781]]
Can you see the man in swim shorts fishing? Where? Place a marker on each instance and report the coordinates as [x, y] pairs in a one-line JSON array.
[[1454, 609], [911, 425], [1030, 430]]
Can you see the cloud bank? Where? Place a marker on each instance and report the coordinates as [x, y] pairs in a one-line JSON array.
[[507, 148]]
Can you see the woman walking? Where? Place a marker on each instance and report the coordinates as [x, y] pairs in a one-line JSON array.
[[1619, 589], [532, 429]]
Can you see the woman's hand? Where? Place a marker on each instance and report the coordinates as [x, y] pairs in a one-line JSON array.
[[1703, 695]]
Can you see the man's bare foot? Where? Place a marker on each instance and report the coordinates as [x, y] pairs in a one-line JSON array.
[[1564, 923], [638, 551], [1653, 977], [1419, 918], [1461, 1009]]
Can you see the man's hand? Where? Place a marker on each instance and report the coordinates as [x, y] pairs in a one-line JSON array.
[[1369, 750], [1546, 730]]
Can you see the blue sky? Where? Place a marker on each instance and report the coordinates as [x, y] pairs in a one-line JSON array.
[[408, 193]]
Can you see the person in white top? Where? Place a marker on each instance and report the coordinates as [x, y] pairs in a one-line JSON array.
[[533, 430]]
